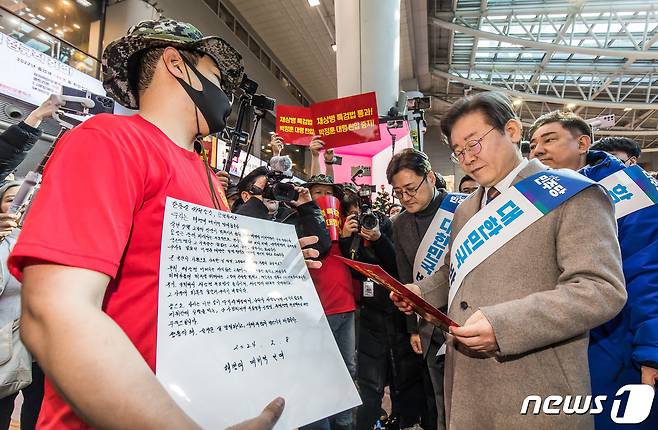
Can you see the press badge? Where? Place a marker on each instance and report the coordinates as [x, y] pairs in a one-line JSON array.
[[368, 288]]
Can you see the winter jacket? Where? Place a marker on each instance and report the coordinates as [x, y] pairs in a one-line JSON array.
[[14, 144], [619, 347]]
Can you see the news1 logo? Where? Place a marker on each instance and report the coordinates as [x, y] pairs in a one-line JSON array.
[[638, 404]]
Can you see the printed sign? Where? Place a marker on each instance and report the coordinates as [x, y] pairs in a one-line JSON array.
[[32, 76], [339, 122]]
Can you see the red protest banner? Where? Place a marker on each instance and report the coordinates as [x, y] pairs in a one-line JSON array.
[[347, 120], [420, 306], [294, 124], [338, 122]]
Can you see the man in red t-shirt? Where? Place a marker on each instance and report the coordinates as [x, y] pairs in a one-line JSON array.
[[333, 283], [89, 252]]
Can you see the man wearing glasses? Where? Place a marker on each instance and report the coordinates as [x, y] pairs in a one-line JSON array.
[[414, 184], [526, 299]]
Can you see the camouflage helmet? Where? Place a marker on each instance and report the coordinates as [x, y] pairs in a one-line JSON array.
[[350, 187], [119, 58], [322, 179]]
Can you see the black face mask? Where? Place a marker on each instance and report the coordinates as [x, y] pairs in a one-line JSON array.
[[211, 101]]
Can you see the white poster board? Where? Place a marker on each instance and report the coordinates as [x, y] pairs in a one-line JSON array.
[[240, 323]]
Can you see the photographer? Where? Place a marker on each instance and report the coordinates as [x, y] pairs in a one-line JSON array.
[[255, 201], [385, 356], [20, 138]]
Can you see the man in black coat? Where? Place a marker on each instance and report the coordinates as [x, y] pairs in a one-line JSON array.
[[384, 354]]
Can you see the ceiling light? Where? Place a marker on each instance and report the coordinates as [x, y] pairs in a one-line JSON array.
[[314, 3], [517, 102], [627, 109], [570, 106], [84, 3], [76, 26], [66, 2], [48, 9], [334, 47]]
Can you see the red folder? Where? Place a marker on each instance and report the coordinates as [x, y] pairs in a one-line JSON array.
[[421, 307]]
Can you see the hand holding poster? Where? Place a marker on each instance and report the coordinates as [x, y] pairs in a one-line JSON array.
[[240, 323], [421, 307], [339, 122]]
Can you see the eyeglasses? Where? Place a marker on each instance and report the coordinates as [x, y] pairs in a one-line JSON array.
[[399, 193], [473, 146]]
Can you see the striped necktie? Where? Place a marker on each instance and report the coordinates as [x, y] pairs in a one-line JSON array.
[[492, 194]]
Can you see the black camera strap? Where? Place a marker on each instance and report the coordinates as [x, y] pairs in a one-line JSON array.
[[354, 247]]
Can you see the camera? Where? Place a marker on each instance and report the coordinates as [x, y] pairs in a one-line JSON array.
[[419, 103], [248, 86], [259, 101], [263, 102], [277, 189], [100, 104], [368, 219]]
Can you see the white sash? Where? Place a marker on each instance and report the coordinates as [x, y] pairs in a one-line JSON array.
[[631, 189], [431, 252], [508, 215]]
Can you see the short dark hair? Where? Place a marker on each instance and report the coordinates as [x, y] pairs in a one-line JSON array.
[[464, 179], [495, 106], [411, 159], [569, 120], [143, 64], [618, 143]]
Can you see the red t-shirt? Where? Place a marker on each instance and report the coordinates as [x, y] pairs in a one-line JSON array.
[[333, 282], [101, 207]]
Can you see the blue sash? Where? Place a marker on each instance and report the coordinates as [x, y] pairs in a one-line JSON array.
[[508, 215]]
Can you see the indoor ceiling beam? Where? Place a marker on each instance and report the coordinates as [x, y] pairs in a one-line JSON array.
[[541, 97], [538, 9], [549, 54], [545, 46]]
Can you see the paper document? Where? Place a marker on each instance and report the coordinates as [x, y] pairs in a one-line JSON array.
[[240, 323]]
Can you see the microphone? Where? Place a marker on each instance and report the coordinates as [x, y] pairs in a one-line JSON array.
[[358, 173]]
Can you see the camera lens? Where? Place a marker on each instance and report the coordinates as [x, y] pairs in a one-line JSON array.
[[368, 220]]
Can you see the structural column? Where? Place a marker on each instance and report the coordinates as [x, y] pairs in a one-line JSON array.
[[368, 49]]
